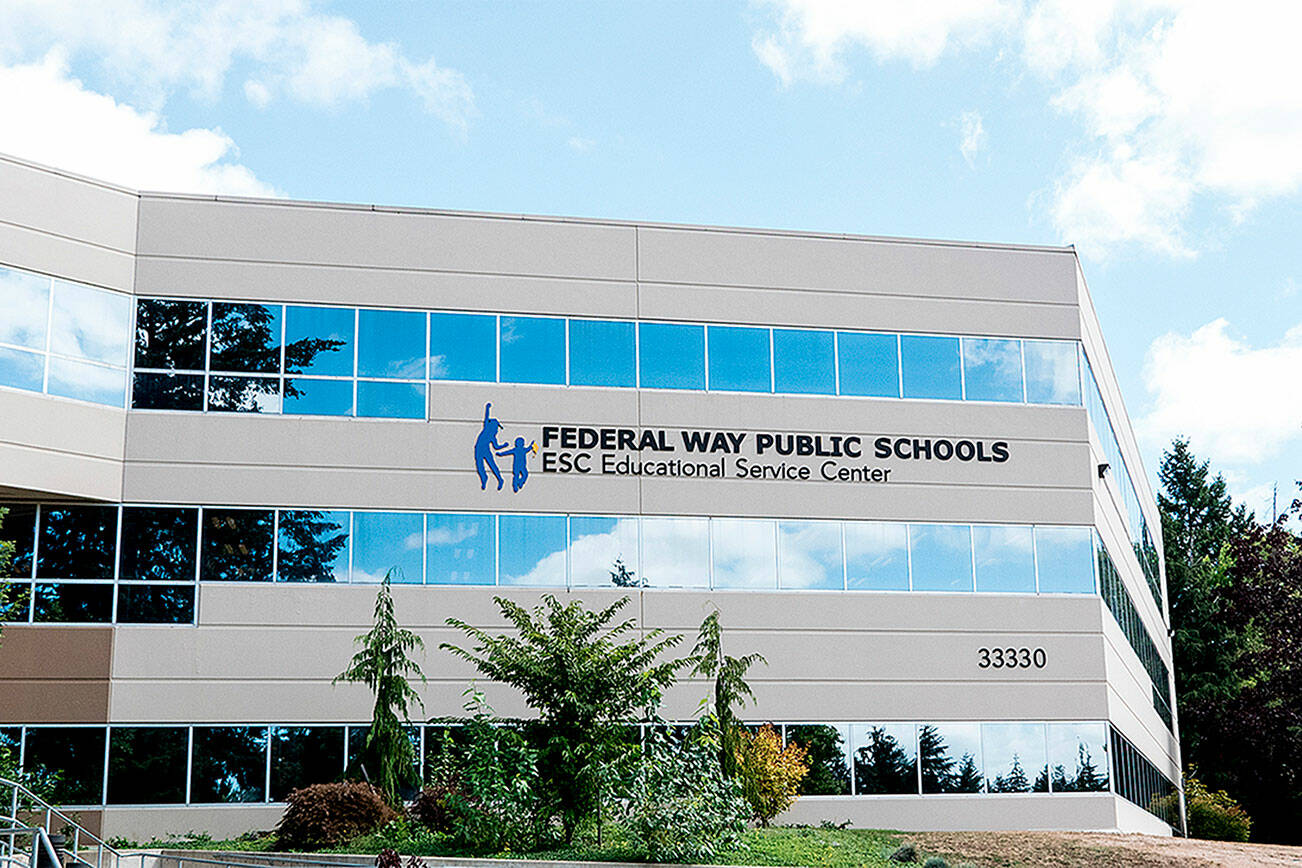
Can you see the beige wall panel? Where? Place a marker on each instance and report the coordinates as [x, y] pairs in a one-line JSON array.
[[1132, 818], [55, 674], [64, 447], [59, 204], [66, 258], [219, 821], [1091, 812]]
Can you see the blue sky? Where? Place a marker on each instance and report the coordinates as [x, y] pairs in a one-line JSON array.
[[1164, 139]]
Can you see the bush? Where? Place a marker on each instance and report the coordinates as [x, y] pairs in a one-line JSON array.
[[905, 853], [326, 815], [935, 862], [1214, 816], [434, 807], [769, 774]]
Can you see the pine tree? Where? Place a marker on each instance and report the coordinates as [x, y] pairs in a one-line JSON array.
[[882, 766], [1088, 779], [968, 778], [730, 687], [937, 764], [1016, 781], [622, 577]]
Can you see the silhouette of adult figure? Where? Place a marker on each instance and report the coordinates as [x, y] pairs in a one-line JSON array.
[[485, 444]]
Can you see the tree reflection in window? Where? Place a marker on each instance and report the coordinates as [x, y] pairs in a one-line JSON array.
[[312, 546], [884, 760], [236, 545], [170, 334], [946, 769], [229, 764], [825, 754], [159, 544], [77, 542], [246, 339]]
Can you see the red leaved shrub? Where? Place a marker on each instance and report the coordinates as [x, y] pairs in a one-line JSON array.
[[326, 815]]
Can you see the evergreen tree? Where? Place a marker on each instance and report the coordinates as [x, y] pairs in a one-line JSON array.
[[622, 577], [1088, 779], [882, 766], [730, 687], [828, 774], [1016, 781], [1042, 780], [937, 764], [968, 778]]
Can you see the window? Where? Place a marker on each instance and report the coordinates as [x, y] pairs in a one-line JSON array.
[[739, 359], [1065, 556], [73, 603], [318, 397], [602, 353], [391, 345], [75, 755], [671, 356], [388, 543], [825, 747], [463, 346], [1015, 758], [245, 338], [90, 324], [236, 545], [869, 364], [1052, 372], [992, 369], [391, 400], [876, 556], [461, 549], [804, 362], [155, 604], [599, 547], [244, 394], [532, 550], [885, 759], [941, 556], [22, 370], [676, 552], [147, 765], [19, 527], [1078, 757], [931, 367], [809, 555], [229, 764], [167, 392], [171, 335], [159, 544], [77, 542], [532, 349], [319, 340], [303, 755], [1005, 560], [951, 757], [24, 309], [744, 552], [84, 381], [312, 546]]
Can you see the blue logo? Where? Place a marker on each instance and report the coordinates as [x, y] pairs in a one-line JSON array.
[[486, 447]]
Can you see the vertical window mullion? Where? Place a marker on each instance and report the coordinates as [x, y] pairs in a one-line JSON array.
[[275, 544], [773, 377], [108, 738], [117, 561], [189, 761], [266, 782], [899, 364]]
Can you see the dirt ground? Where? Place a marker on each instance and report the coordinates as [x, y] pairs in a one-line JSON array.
[[1095, 850]]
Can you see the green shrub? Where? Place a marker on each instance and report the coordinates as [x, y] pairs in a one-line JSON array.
[[905, 853], [1214, 815], [327, 815], [935, 862]]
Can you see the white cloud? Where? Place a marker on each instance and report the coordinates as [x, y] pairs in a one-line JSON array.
[[580, 144], [1236, 403], [972, 135], [53, 118]]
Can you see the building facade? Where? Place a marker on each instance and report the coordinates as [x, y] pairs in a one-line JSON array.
[[901, 470]]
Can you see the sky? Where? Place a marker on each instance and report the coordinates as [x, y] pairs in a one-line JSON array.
[[1162, 139]]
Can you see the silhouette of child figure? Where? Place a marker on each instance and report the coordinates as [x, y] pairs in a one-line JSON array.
[[485, 443], [519, 462]]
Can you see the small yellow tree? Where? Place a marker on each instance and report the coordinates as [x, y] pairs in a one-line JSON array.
[[770, 774]]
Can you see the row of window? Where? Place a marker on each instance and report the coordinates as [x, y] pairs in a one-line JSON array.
[[1119, 602], [63, 338], [147, 765], [1140, 782]]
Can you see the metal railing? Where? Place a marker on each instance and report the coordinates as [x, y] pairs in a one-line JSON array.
[[31, 816]]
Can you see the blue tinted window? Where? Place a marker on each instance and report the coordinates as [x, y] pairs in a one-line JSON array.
[[532, 550], [992, 369], [24, 308], [1065, 556], [941, 556], [601, 353], [245, 338], [931, 367], [870, 364], [1052, 372], [671, 356], [676, 552], [319, 340], [384, 541], [391, 400], [89, 323], [461, 550], [533, 350], [1004, 558], [318, 397], [391, 344], [744, 551], [22, 370], [463, 346], [87, 382], [803, 362], [809, 554], [243, 394], [596, 543], [312, 546], [739, 359], [876, 556]]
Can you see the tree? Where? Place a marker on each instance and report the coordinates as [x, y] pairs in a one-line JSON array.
[[769, 773], [968, 778], [730, 687], [586, 677], [384, 664], [882, 766], [824, 745], [937, 764], [622, 577]]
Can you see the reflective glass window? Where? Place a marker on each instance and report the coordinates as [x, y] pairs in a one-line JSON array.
[[941, 556], [73, 603], [931, 367], [671, 355], [228, 764], [167, 392], [885, 759], [306, 397], [312, 546], [24, 308], [319, 340], [74, 755], [171, 334], [876, 556], [826, 747], [1015, 757], [303, 755], [20, 369], [87, 382], [739, 359], [604, 552], [147, 765], [391, 344], [1005, 560], [869, 364], [602, 353], [992, 369], [1078, 757], [236, 545], [532, 550], [10, 741], [745, 553], [18, 526], [245, 338], [1052, 372], [155, 604], [445, 746], [533, 349], [809, 554], [463, 346], [391, 400], [159, 543], [77, 542], [460, 549], [1065, 557], [950, 754], [92, 324], [243, 394], [804, 362], [676, 552], [359, 760], [388, 542]]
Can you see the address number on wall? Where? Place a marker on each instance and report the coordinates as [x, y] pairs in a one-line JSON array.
[[1011, 658]]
